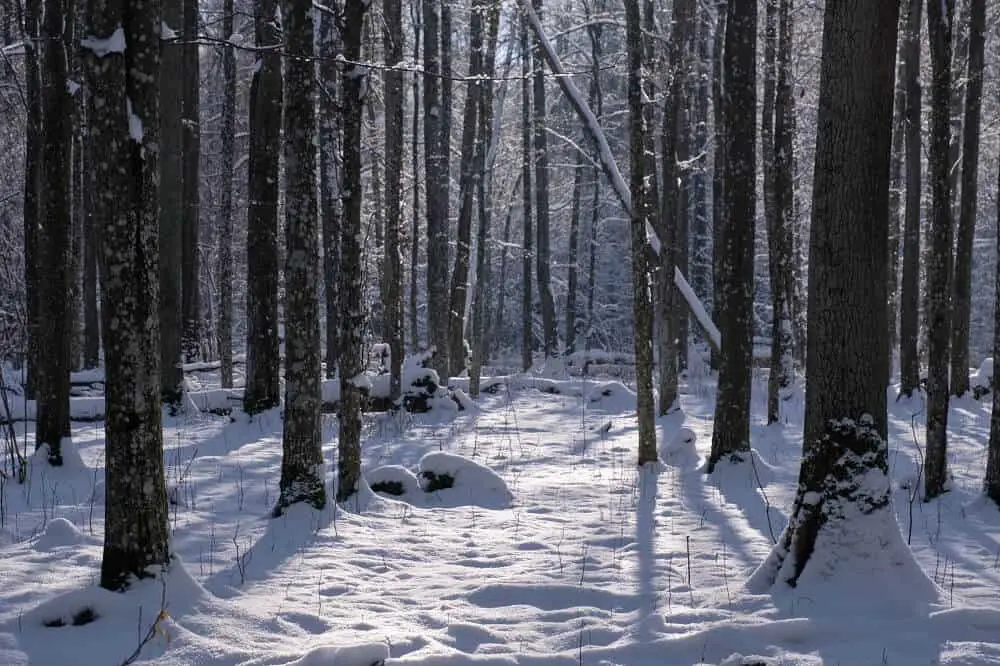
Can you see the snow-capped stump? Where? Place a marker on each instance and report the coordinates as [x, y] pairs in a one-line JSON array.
[[59, 533], [393, 480], [981, 381], [459, 481], [681, 450], [368, 654]]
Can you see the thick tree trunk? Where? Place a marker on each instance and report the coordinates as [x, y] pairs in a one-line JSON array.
[[329, 185], [970, 192], [909, 292], [527, 198], [640, 218], [731, 434], [32, 209], [262, 382], [302, 450], [350, 285], [939, 20], [550, 338], [842, 502], [226, 274], [91, 252], [392, 276], [123, 131], [171, 204], [54, 234], [991, 484], [191, 261]]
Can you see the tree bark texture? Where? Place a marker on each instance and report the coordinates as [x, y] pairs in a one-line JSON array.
[[550, 337], [191, 183], [527, 199], [392, 276], [330, 187], [226, 274]]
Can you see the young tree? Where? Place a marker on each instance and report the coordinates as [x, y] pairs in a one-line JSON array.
[[731, 433], [909, 293], [122, 52], [226, 198], [53, 234], [350, 361], [302, 450], [262, 382], [527, 197], [550, 338], [392, 40], [939, 22], [844, 477], [969, 199]]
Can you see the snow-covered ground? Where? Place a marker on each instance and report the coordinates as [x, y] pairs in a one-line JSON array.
[[551, 548]]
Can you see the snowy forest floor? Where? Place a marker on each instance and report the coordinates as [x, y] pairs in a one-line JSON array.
[[591, 562]]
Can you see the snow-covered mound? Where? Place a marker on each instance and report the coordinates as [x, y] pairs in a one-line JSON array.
[[368, 654], [59, 533], [458, 481], [681, 451], [394, 480]]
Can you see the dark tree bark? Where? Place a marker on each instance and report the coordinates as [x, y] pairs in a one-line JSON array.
[[940, 15], [909, 292], [718, 164], [527, 197], [191, 261], [550, 338], [124, 124], [392, 277], [32, 209], [640, 219], [700, 94], [302, 450], [350, 285], [844, 467], [171, 204], [896, 189], [991, 484], [226, 275], [572, 278], [91, 253], [262, 383], [597, 104], [436, 166], [415, 170], [54, 233], [329, 184], [731, 433], [969, 199]]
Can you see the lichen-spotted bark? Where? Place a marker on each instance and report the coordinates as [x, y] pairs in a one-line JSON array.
[[350, 285], [302, 452], [843, 477], [123, 130], [262, 384]]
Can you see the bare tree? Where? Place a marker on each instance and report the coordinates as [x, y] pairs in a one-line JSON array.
[[124, 128], [191, 205], [226, 198], [991, 483], [330, 190], [550, 338], [392, 277], [32, 209], [527, 198], [909, 291]]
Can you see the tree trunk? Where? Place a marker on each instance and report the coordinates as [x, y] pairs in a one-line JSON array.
[[970, 192], [123, 131], [572, 282], [550, 338], [597, 104], [640, 218], [842, 500], [262, 382], [731, 433], [54, 233], [909, 292], [415, 169], [351, 362], [392, 277], [991, 483], [436, 167], [700, 94], [329, 184], [302, 450], [32, 210], [226, 274], [527, 193], [895, 192], [718, 165], [939, 20], [91, 252], [191, 262]]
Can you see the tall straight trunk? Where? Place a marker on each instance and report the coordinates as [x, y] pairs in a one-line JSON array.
[[497, 321], [909, 288], [226, 273], [329, 185], [415, 170], [991, 483], [302, 449], [527, 195], [468, 179], [768, 155], [32, 209], [731, 434], [171, 204], [699, 95], [682, 249], [597, 104], [54, 233], [640, 217], [447, 94], [123, 131], [572, 281], [718, 164], [77, 217], [350, 284], [550, 337], [896, 193], [262, 382], [91, 252], [191, 262], [939, 21], [436, 166], [392, 276], [970, 198], [485, 155]]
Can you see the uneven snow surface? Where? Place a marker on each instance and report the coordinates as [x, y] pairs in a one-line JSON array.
[[552, 548]]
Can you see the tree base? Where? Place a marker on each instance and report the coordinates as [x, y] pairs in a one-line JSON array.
[[306, 488]]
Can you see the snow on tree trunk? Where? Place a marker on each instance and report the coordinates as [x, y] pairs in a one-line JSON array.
[[302, 451], [262, 381], [124, 124]]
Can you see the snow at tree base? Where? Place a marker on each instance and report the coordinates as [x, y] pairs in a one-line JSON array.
[[549, 546]]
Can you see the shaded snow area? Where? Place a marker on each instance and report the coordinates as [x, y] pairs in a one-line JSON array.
[[520, 532]]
